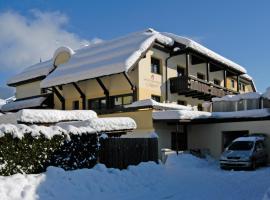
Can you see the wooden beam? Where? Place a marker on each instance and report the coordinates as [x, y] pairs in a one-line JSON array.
[[187, 63], [225, 78], [60, 97], [83, 97], [238, 82], [133, 86], [207, 70], [106, 92]]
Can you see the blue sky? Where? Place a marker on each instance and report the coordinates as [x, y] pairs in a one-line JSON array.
[[238, 30]]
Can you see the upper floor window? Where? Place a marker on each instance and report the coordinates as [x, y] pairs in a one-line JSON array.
[[232, 83], [75, 105], [242, 86], [156, 98], [216, 82], [181, 71], [155, 65], [200, 76]]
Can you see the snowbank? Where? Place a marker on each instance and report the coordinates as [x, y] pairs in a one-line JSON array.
[[202, 180], [54, 116], [102, 124], [158, 106], [189, 115]]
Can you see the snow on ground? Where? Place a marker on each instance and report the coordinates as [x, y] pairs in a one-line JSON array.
[[182, 177]]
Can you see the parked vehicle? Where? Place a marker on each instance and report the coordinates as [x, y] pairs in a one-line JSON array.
[[244, 152]]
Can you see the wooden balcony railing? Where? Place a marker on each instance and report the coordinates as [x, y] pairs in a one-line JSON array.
[[197, 88]]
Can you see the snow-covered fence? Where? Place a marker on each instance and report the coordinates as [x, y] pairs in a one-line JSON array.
[[122, 152]]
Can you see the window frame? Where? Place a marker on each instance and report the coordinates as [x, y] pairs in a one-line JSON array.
[[179, 67], [158, 71]]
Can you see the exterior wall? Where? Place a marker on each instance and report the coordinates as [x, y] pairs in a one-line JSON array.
[[209, 136], [28, 90], [143, 119], [150, 83]]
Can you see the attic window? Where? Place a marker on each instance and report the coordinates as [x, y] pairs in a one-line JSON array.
[[155, 65]]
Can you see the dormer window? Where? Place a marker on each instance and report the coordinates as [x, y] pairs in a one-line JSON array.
[[155, 65]]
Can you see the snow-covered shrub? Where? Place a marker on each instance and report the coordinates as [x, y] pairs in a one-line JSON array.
[[31, 154]]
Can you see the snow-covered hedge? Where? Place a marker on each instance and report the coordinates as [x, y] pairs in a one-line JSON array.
[[33, 152]]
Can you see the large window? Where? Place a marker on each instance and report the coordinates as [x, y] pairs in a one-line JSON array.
[[179, 141], [97, 104], [155, 65], [121, 100]]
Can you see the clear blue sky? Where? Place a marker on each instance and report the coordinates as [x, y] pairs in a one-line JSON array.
[[238, 30]]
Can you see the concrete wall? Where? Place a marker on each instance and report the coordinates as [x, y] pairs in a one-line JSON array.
[[209, 136]]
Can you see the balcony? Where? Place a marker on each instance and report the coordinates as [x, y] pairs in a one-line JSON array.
[[196, 88]]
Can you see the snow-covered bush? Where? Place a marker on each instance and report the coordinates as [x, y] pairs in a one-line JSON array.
[[33, 154]]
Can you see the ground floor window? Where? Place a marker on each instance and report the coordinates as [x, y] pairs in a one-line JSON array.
[[97, 104]]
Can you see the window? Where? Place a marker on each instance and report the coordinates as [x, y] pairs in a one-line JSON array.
[[155, 65], [232, 83], [119, 101], [127, 100], [200, 76], [216, 82], [242, 86], [180, 102], [96, 104], [156, 98], [181, 71], [75, 105]]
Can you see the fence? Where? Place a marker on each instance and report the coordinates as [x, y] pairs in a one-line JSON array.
[[122, 152]]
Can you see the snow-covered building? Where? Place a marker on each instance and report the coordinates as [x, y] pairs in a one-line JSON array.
[[142, 65]]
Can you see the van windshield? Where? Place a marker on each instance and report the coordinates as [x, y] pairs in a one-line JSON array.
[[241, 145]]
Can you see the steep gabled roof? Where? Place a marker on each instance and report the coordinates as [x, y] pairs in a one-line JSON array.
[[105, 58], [110, 57], [39, 70]]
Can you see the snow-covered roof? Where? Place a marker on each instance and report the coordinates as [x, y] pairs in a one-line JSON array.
[[120, 55], [101, 124], [238, 97], [20, 104], [190, 115], [105, 58], [205, 51], [38, 70], [246, 76], [54, 116], [158, 106]]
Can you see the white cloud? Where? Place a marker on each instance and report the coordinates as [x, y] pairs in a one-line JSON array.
[[24, 40]]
